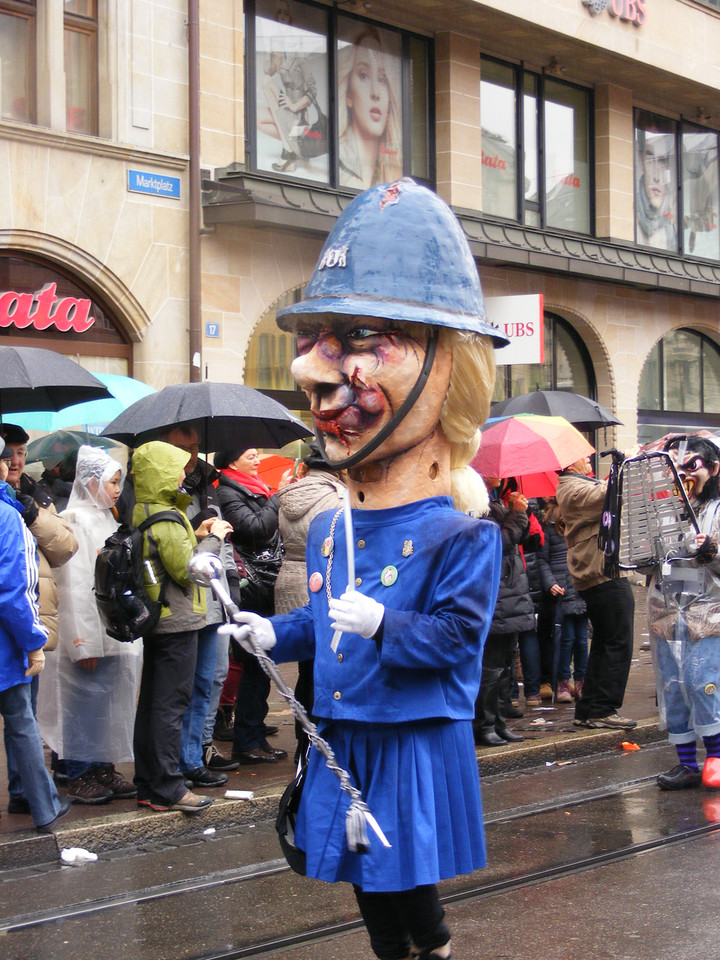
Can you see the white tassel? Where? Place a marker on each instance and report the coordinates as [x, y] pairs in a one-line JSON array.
[[355, 829]]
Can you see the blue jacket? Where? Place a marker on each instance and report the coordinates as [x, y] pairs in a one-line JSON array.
[[440, 571], [20, 627]]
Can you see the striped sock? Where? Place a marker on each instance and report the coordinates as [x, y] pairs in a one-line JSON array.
[[687, 755], [712, 745]]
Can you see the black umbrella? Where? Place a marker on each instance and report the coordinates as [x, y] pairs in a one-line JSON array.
[[36, 379], [53, 446], [225, 415], [583, 413]]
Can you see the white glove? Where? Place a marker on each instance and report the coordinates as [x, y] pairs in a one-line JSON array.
[[36, 662], [354, 612], [258, 627]]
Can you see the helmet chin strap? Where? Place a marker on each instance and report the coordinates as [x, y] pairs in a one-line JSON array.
[[402, 411]]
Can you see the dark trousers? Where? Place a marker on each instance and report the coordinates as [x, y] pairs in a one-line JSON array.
[[394, 920], [611, 608], [495, 683], [165, 689], [251, 706]]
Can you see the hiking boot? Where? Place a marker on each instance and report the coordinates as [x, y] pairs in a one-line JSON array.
[[223, 729], [613, 721], [214, 760], [190, 803], [546, 691], [86, 789], [108, 777], [563, 694]]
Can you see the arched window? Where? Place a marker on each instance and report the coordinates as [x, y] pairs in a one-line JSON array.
[[679, 386], [567, 366]]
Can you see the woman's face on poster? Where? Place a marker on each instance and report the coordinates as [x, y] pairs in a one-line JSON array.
[[357, 371], [655, 161], [368, 92]]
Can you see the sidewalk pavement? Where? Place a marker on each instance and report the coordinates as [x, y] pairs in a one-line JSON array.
[[549, 737]]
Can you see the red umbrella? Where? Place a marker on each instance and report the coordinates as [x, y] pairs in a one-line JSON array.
[[272, 467], [525, 445]]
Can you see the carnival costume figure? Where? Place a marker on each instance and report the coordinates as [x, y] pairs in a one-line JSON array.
[[396, 357]]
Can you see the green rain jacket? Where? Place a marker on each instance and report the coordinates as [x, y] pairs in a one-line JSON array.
[[169, 546]]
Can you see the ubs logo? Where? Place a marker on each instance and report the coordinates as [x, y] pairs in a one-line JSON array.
[[630, 11]]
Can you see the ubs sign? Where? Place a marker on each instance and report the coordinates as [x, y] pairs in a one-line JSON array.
[[631, 11]]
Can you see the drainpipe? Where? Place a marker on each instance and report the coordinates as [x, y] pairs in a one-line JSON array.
[[194, 300]]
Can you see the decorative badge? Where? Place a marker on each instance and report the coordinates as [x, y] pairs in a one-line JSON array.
[[407, 548], [326, 548], [334, 257], [710, 689], [391, 195], [388, 576], [315, 582]]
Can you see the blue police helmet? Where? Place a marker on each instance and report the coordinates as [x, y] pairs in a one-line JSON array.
[[397, 252]]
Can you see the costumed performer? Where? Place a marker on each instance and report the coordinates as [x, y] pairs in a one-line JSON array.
[[396, 356]]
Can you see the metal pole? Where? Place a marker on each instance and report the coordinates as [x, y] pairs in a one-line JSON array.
[[194, 201]]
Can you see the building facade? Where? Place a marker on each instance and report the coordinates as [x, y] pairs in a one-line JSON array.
[[577, 141]]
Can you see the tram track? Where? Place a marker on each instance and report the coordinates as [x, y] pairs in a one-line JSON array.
[[477, 887]]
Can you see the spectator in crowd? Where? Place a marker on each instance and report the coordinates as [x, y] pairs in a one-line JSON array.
[[610, 603], [22, 637], [57, 480], [86, 707], [170, 650], [572, 611], [531, 659], [513, 614], [200, 761], [315, 488], [247, 504]]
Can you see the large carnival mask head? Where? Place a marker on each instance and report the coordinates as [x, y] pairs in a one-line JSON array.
[[697, 462]]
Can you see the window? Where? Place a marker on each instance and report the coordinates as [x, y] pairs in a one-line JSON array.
[[81, 77], [677, 190], [337, 99], [17, 60], [536, 140], [679, 386]]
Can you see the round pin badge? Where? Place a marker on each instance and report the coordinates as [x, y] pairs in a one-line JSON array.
[[315, 582], [710, 689], [326, 548], [388, 576]]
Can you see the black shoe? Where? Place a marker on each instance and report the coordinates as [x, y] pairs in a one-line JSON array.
[[223, 729], [280, 754], [256, 755], [270, 731], [19, 805], [679, 778], [508, 736], [214, 760], [202, 777], [513, 712], [489, 739], [64, 809]]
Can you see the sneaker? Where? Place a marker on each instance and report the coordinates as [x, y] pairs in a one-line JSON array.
[[202, 777], [613, 721], [86, 789], [214, 760], [107, 776], [190, 803], [579, 722], [533, 700], [546, 691], [563, 694]]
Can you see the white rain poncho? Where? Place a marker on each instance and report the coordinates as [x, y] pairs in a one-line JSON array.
[[88, 714]]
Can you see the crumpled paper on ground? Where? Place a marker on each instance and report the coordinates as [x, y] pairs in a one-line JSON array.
[[76, 856]]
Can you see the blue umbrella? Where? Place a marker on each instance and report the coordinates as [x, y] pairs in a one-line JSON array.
[[98, 413]]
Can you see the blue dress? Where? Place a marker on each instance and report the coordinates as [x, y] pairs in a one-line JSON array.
[[397, 709]]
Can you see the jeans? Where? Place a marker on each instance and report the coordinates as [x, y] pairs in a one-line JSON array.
[[165, 690], [395, 920], [689, 677], [22, 740], [222, 662], [573, 646], [530, 660], [610, 607], [196, 715], [13, 774]]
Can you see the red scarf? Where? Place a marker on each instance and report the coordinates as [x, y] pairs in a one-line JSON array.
[[253, 484]]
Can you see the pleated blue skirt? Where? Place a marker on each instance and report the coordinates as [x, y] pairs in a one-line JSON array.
[[421, 783]]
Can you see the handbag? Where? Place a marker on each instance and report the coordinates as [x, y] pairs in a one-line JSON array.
[[285, 821], [258, 573], [313, 139]]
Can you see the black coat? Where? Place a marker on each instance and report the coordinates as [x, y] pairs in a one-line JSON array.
[[553, 568], [253, 517], [514, 612]]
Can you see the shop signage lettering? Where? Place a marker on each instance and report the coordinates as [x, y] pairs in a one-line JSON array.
[[140, 181], [630, 11], [571, 180], [496, 162], [45, 309], [520, 317]]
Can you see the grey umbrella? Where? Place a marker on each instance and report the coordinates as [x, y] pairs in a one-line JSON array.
[[225, 415], [582, 412], [36, 379]]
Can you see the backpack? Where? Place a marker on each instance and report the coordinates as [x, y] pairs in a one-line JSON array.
[[124, 606]]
